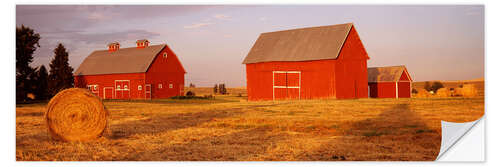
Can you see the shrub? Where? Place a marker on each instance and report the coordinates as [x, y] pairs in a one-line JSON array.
[[436, 85], [427, 86], [415, 91], [190, 94]]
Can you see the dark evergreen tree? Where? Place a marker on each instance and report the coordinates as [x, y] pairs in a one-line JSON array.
[[42, 80], [222, 89], [215, 89], [26, 44], [61, 74]]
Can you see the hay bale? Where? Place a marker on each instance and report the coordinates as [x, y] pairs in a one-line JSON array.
[[422, 93], [469, 90], [76, 115], [443, 92]]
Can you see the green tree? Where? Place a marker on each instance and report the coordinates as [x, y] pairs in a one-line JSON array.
[[26, 44], [61, 74], [42, 80]]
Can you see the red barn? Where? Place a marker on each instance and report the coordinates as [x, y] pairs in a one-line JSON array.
[[307, 63], [389, 82], [141, 72]]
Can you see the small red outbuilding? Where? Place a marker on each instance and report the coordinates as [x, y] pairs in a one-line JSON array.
[[307, 63], [140, 72], [389, 82]]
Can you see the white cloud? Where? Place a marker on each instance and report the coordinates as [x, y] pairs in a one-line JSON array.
[[227, 35], [198, 25], [263, 18], [222, 17]]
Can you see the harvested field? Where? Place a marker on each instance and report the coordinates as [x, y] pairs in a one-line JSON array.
[[230, 128]]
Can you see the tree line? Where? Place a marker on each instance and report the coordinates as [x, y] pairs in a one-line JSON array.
[[38, 81]]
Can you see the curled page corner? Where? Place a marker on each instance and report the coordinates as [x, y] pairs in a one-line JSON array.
[[451, 133]]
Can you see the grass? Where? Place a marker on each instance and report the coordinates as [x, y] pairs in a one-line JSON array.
[[231, 128]]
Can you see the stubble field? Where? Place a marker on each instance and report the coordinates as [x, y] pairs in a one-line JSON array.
[[230, 128]]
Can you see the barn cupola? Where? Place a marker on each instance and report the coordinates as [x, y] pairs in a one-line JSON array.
[[142, 43], [113, 46]]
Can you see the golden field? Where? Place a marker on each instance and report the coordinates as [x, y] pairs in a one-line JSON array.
[[231, 128]]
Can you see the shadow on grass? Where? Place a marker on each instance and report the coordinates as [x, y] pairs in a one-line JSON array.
[[397, 134], [242, 145], [160, 123]]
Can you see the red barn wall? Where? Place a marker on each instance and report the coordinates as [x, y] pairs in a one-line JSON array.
[[108, 80], [317, 78], [351, 70], [404, 86], [383, 90], [404, 90], [166, 71]]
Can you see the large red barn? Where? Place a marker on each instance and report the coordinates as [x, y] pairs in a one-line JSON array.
[[307, 63], [141, 72], [389, 82]]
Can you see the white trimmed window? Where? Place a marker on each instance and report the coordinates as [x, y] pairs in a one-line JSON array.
[[139, 87], [118, 87], [165, 55], [160, 86], [170, 86], [95, 87], [125, 87]]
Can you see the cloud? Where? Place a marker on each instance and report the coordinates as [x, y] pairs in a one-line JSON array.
[[263, 18], [227, 36], [222, 17], [197, 25]]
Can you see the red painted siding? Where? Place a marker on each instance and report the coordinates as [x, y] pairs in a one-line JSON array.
[[351, 69], [345, 77], [383, 90], [388, 89], [404, 90], [167, 72], [317, 79], [108, 81]]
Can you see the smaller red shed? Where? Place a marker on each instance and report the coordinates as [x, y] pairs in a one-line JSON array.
[[389, 82]]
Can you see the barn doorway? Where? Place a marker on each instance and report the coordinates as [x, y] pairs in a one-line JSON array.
[[286, 84], [147, 91], [122, 89]]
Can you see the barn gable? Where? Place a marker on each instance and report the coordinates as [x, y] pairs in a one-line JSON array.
[[388, 74], [161, 60], [126, 60], [305, 44]]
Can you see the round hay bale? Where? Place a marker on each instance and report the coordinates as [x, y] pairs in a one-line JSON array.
[[76, 114], [469, 90], [422, 93], [443, 92]]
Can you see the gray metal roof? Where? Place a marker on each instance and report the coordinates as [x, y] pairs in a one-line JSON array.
[[124, 60], [385, 74], [305, 44]]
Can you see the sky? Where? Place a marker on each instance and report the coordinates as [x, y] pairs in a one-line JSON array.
[[434, 42]]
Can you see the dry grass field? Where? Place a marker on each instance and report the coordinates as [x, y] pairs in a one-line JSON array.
[[230, 128]]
